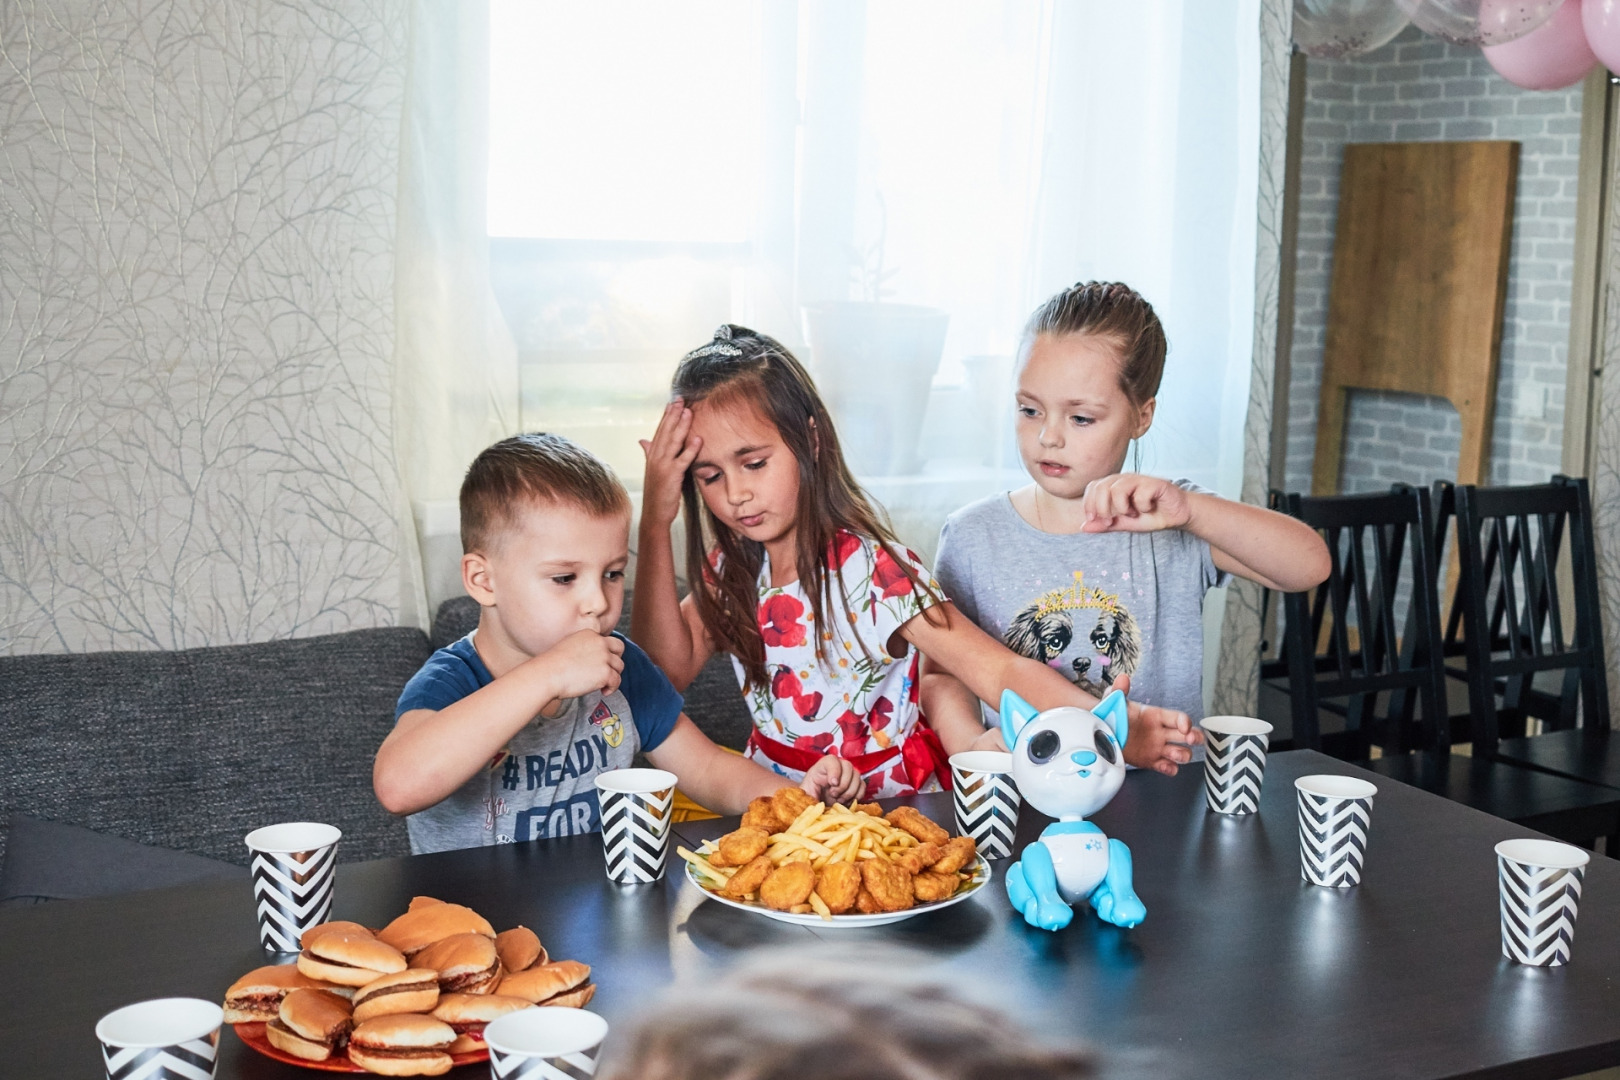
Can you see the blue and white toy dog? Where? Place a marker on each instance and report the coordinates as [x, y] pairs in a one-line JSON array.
[[1068, 763]]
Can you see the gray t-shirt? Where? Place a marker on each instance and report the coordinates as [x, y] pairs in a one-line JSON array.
[[1094, 606], [544, 784]]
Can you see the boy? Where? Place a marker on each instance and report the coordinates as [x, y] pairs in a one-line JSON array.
[[500, 736]]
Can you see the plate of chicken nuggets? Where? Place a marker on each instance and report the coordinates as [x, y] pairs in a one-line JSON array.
[[800, 861]]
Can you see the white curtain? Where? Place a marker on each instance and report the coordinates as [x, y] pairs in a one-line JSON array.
[[851, 178], [456, 388]]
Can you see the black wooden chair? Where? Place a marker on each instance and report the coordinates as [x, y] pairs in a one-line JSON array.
[[1527, 660], [1342, 645]]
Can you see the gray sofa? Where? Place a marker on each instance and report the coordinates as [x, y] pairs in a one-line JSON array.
[[124, 770]]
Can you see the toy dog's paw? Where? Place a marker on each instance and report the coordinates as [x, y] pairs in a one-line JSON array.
[[1049, 914], [1125, 910]]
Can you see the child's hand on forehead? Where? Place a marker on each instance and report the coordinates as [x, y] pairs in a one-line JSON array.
[[670, 453], [1131, 502]]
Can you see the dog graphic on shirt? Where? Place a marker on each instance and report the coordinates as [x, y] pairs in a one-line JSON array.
[[1044, 629]]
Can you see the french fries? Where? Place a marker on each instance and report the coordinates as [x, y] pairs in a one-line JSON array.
[[824, 835]]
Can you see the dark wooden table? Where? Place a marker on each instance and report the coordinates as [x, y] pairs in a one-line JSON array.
[[1239, 970]]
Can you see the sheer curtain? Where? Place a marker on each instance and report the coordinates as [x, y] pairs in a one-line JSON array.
[[456, 372], [889, 188]]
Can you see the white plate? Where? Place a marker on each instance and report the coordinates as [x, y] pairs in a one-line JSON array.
[[981, 878]]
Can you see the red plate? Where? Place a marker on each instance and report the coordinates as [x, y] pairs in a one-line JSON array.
[[253, 1035]]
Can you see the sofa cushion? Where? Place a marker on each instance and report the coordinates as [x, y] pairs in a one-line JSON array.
[[712, 700], [193, 749], [47, 860]]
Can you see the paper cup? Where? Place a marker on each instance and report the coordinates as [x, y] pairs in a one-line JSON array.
[[986, 800], [166, 1039], [545, 1044], [1234, 762], [1335, 814], [293, 865], [636, 809], [1540, 886]]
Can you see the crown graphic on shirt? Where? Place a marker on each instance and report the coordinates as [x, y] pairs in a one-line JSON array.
[[1077, 595]]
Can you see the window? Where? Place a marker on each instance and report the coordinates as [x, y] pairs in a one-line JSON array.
[[889, 189]]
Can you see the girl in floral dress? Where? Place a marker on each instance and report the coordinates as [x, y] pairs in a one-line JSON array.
[[803, 583]]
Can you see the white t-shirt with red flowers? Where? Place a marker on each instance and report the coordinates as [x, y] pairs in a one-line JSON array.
[[855, 698]]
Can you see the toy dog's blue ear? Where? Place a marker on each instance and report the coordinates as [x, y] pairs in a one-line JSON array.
[[1112, 711], [1015, 713]]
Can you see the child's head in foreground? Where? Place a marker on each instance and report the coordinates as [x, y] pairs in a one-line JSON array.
[[1088, 379], [545, 536], [792, 1017]]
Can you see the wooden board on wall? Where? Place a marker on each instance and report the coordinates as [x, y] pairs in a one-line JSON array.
[[1420, 265]]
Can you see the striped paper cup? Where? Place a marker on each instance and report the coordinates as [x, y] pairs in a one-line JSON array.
[[986, 800], [637, 806], [1234, 762], [293, 866], [1540, 885], [165, 1039], [553, 1043], [1335, 815]]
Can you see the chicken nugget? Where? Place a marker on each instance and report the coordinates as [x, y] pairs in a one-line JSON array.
[[871, 808], [749, 878], [865, 904], [959, 851], [890, 885], [788, 885], [760, 815], [919, 858], [929, 887], [912, 821], [789, 802], [838, 886], [741, 847]]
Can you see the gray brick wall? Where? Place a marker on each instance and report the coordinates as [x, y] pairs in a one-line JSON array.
[[1419, 88]]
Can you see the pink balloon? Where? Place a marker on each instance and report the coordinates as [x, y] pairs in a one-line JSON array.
[[1601, 18], [1550, 57]]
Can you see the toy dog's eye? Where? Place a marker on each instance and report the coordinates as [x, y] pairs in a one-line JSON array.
[[1044, 747], [1105, 747]]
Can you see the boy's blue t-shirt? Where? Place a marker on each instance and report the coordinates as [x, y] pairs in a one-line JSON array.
[[543, 785]]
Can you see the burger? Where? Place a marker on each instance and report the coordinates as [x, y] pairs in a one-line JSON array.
[[255, 998], [349, 958], [403, 1044], [567, 982], [330, 927], [466, 963], [311, 1024], [427, 923], [412, 990], [468, 1013], [519, 948]]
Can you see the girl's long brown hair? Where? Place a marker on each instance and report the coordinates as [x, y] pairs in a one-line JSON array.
[[743, 366]]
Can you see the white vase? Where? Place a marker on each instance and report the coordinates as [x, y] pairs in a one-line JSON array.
[[874, 364]]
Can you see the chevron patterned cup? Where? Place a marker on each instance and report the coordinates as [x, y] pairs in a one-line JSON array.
[[1335, 814], [637, 806], [552, 1043], [986, 799], [166, 1039], [1234, 762], [1540, 885], [292, 865]]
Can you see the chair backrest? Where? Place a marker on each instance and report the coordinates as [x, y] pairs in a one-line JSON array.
[[1342, 640], [1509, 544]]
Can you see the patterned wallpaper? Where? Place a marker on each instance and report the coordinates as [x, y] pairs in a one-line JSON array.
[[196, 320]]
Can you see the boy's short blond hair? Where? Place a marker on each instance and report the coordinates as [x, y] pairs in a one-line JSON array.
[[529, 469]]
